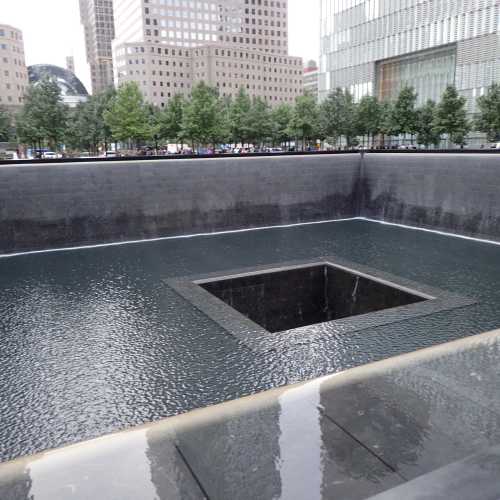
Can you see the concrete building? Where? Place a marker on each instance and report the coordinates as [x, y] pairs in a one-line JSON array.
[[97, 19], [311, 78], [13, 71], [168, 46], [378, 46]]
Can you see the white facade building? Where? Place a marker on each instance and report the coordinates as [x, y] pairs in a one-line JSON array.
[[167, 46], [378, 46], [13, 71]]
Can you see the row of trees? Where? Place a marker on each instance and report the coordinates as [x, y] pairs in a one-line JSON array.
[[207, 119]]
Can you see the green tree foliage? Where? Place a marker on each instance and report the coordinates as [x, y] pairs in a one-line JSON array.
[[154, 125], [104, 101], [128, 117], [281, 118], [451, 117], [426, 132], [202, 121], [368, 118], [259, 122], [304, 123], [6, 131], [43, 119], [337, 117], [170, 119], [87, 128], [206, 119], [404, 113], [239, 111], [488, 118]]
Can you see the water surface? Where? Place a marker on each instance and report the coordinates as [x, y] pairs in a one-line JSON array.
[[93, 341]]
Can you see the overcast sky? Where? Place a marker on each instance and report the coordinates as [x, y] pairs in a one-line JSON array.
[[52, 30]]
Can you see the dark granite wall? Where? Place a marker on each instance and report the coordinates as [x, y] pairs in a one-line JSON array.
[[57, 205], [451, 192]]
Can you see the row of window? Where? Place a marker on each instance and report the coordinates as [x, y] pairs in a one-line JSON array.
[[266, 3], [458, 26], [15, 35], [239, 76], [16, 62], [17, 74], [257, 68], [11, 99], [13, 48], [440, 33]]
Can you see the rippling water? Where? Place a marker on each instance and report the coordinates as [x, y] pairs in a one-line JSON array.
[[93, 340]]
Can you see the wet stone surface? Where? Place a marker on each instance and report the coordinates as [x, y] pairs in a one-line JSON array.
[[94, 340]]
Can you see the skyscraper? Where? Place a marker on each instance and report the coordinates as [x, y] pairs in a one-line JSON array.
[[167, 46], [13, 71], [378, 46], [70, 63], [97, 20], [311, 74]]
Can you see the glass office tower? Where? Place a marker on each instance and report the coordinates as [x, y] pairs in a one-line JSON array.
[[378, 46]]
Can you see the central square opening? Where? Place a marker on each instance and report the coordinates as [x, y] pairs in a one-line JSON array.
[[282, 300]]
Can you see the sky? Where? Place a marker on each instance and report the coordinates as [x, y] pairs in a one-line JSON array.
[[52, 31]]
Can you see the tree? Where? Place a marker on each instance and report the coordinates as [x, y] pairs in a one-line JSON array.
[[44, 116], [259, 122], [87, 129], [387, 126], [404, 114], [488, 119], [368, 118], [304, 123], [426, 132], [281, 118], [128, 117], [337, 117], [451, 117], [202, 120], [104, 101], [170, 119], [5, 125], [238, 117]]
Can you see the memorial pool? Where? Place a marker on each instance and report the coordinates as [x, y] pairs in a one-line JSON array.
[[94, 340]]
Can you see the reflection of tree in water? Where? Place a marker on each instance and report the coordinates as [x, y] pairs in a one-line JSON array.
[[19, 483], [392, 421]]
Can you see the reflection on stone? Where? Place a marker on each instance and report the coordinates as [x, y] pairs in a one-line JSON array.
[[300, 415], [127, 466]]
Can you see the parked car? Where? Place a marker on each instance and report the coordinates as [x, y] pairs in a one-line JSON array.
[[50, 155], [9, 155], [112, 154]]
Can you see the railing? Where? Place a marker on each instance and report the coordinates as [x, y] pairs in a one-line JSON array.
[[248, 155]]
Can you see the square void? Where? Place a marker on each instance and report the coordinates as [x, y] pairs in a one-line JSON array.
[[293, 298]]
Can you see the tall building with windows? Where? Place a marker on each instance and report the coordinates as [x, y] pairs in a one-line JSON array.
[[378, 46], [167, 46], [98, 24], [13, 70], [311, 75], [70, 63]]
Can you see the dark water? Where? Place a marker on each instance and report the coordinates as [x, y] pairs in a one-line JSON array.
[[93, 341]]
